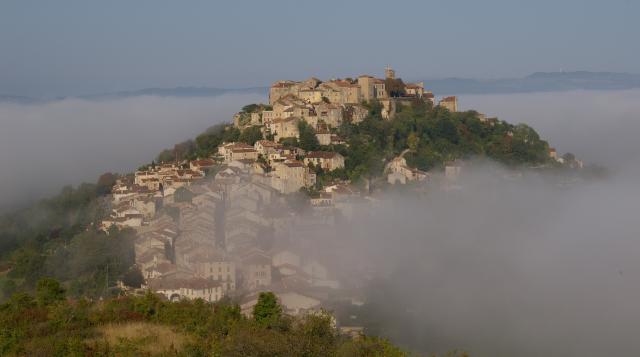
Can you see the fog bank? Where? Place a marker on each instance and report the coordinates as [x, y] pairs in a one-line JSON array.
[[518, 267], [46, 146], [507, 268]]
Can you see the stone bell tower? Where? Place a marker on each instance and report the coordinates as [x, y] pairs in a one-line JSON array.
[[389, 73]]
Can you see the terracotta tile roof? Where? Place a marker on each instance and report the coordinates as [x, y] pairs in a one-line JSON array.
[[321, 155], [243, 150], [171, 283], [203, 162], [294, 164]]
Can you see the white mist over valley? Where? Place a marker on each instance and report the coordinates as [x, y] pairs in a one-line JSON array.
[[46, 146]]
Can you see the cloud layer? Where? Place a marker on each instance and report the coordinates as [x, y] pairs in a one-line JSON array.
[[518, 268], [46, 146], [506, 268]]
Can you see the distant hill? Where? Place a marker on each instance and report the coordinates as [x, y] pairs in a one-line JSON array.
[[179, 92], [4, 98], [182, 92], [537, 82]]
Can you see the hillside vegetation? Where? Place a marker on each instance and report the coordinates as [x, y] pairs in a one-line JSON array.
[[48, 324]]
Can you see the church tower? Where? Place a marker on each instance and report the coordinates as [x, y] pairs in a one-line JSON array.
[[389, 73]]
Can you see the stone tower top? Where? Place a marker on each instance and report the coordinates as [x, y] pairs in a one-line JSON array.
[[389, 73]]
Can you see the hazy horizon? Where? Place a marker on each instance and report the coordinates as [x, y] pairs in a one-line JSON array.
[[71, 47]]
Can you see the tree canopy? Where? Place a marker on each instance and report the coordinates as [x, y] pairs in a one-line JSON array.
[[251, 134], [308, 140], [267, 310]]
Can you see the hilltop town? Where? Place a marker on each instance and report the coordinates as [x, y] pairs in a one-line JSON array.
[[244, 208]]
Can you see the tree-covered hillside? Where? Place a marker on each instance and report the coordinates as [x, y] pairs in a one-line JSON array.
[[435, 136]]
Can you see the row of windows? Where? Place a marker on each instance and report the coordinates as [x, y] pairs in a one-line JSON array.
[[219, 269]]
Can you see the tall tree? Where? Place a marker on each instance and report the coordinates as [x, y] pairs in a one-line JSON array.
[[267, 310], [308, 140], [251, 134], [105, 183]]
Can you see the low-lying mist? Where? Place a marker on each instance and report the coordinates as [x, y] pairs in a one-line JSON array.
[[46, 146], [518, 267], [506, 267]]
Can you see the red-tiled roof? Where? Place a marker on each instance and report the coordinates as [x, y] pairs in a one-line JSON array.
[[321, 155], [294, 164], [195, 283], [203, 162]]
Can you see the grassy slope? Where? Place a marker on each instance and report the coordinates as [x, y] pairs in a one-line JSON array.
[[143, 338]]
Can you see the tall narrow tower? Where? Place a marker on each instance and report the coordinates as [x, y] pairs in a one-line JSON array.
[[389, 73]]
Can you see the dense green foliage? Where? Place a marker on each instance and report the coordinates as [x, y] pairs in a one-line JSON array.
[[250, 135], [308, 140], [63, 327], [395, 87], [435, 136], [205, 144], [49, 291], [254, 108], [56, 238], [267, 310]]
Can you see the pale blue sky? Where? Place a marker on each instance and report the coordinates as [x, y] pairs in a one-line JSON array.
[[62, 47]]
